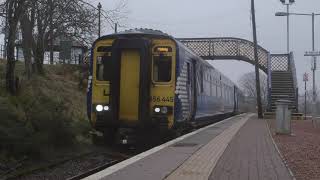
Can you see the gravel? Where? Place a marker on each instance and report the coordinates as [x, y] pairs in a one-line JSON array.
[[301, 150], [70, 168], [73, 165]]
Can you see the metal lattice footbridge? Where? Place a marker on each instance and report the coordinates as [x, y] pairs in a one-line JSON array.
[[280, 68]]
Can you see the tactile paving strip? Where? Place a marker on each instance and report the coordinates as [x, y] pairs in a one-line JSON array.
[[200, 164]]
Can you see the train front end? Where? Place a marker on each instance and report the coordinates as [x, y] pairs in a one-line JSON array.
[[132, 85]]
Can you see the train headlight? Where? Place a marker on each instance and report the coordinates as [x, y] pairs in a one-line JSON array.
[[106, 108], [164, 110], [99, 108], [157, 109]]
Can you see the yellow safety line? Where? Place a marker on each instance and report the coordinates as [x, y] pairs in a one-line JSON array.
[[200, 165]]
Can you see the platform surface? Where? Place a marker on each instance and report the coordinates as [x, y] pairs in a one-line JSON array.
[[220, 151], [251, 155]]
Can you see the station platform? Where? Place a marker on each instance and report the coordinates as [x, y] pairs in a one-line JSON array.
[[237, 148]]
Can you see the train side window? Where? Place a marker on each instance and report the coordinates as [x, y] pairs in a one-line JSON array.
[[221, 87], [217, 88], [162, 68], [103, 70], [188, 73], [228, 95], [201, 81], [222, 91], [214, 89], [104, 49]]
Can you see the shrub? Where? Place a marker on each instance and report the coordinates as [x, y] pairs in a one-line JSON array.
[[47, 115]]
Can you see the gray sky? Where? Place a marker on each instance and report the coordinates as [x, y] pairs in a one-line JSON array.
[[230, 18]]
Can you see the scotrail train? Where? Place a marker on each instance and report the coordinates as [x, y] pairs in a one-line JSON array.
[[145, 80]]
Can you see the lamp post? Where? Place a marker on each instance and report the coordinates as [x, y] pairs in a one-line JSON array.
[[305, 79], [99, 19], [314, 59], [288, 3], [255, 41]]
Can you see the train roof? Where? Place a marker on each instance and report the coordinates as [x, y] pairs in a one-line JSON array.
[[141, 31]]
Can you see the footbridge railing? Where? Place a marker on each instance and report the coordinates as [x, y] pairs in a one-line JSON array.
[[286, 63], [241, 49], [227, 48]]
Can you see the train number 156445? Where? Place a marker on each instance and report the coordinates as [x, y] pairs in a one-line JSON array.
[[162, 99]]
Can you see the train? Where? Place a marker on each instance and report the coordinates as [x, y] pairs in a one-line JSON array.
[[144, 80]]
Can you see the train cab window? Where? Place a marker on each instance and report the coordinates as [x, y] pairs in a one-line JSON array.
[[162, 68], [103, 68]]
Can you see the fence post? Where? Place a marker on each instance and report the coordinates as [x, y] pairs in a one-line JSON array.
[[17, 53], [289, 63]]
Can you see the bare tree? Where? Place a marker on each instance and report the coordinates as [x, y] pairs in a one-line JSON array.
[[42, 21], [27, 23], [311, 107], [47, 20], [248, 85], [15, 9]]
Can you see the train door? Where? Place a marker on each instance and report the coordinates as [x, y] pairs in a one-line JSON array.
[[222, 101], [129, 85]]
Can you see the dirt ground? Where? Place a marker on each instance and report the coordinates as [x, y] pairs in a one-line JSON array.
[[301, 149]]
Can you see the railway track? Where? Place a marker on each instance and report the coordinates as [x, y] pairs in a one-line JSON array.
[[94, 170], [71, 168]]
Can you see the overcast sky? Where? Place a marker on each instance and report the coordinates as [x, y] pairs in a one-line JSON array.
[[230, 18]]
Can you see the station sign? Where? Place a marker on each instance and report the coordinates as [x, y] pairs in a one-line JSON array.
[[312, 53]]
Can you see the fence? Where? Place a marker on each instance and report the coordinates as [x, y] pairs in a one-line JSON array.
[[2, 51], [76, 56]]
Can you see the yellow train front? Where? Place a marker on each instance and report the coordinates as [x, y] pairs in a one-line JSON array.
[[145, 80]]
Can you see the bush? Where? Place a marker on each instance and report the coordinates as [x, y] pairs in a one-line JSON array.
[[47, 115], [13, 129]]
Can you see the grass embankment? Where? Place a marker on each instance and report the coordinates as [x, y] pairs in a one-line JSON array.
[[47, 116]]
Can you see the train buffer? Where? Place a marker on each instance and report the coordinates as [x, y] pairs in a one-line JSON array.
[[237, 148]]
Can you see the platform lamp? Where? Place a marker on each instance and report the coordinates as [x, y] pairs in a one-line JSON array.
[[288, 3], [99, 19]]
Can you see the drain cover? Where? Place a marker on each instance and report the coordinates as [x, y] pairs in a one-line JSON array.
[[185, 145], [215, 127]]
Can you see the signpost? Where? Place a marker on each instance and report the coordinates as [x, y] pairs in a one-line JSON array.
[[313, 54], [305, 80]]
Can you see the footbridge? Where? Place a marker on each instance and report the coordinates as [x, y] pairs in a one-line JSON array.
[[280, 68]]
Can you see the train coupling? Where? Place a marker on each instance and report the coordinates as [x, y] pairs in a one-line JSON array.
[[96, 133], [126, 136]]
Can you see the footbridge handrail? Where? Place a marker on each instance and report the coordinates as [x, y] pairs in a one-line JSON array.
[[223, 48], [227, 48]]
